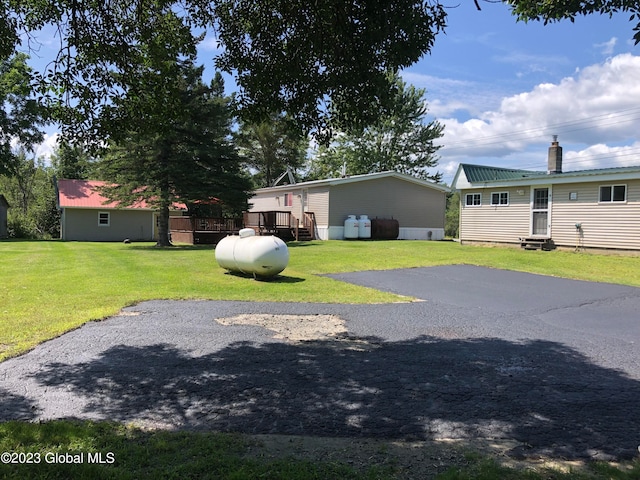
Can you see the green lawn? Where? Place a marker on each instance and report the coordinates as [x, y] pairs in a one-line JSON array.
[[47, 288]]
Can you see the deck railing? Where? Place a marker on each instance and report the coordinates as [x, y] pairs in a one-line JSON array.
[[276, 222], [270, 221], [205, 224], [309, 222]]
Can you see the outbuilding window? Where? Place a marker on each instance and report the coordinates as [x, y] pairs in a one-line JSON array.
[[473, 199], [500, 198], [613, 193], [104, 219]]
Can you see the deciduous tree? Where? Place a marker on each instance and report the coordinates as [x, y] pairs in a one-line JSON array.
[[31, 194], [324, 62], [556, 10], [72, 161], [21, 117], [401, 140]]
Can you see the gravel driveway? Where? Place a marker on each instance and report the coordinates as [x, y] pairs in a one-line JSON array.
[[551, 366]]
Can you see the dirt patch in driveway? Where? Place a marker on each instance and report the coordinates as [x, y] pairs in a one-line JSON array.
[[293, 328]]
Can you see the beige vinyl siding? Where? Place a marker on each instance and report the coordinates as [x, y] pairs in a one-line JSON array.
[[318, 203], [411, 204], [491, 223], [263, 202], [276, 201], [604, 225]]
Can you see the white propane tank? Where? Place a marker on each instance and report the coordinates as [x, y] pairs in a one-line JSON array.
[[351, 227], [364, 227], [247, 253]]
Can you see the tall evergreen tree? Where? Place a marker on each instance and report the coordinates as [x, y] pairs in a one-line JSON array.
[[182, 150], [400, 140]]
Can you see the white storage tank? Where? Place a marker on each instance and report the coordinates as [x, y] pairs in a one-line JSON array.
[[351, 227], [247, 253], [364, 227]]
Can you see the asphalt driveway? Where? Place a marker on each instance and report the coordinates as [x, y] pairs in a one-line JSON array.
[[550, 366]]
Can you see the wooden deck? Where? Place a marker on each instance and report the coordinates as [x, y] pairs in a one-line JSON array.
[[209, 231], [282, 224], [201, 230]]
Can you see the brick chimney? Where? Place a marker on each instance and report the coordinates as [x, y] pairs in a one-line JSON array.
[[554, 164]]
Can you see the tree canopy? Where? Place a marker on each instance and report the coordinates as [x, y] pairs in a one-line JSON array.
[[271, 147], [324, 62], [400, 140], [72, 162], [21, 116], [555, 10]]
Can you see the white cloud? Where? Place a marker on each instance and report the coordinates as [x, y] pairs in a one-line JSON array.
[[528, 63], [600, 154], [445, 96], [593, 106], [47, 147], [607, 48], [210, 44]]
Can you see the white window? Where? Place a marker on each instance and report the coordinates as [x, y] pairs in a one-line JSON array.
[[500, 198], [473, 199], [104, 219], [613, 193]]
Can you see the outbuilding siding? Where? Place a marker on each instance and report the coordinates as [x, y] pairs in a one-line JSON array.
[[412, 205], [4, 205], [82, 225]]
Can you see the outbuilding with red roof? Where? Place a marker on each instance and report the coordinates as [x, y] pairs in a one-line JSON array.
[[86, 215]]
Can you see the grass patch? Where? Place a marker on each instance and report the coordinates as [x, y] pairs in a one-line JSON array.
[[488, 469], [103, 450], [79, 450]]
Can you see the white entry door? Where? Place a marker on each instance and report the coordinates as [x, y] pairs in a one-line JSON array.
[[540, 212]]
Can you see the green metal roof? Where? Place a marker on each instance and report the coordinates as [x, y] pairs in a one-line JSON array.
[[485, 174], [482, 173]]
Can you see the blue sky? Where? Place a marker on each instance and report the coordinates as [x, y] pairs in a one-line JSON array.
[[502, 88]]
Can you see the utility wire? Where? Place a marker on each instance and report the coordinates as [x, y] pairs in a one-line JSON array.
[[557, 128]]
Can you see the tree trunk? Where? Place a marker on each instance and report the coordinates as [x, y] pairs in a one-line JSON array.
[[163, 226]]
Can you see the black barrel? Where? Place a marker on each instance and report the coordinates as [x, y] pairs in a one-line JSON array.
[[384, 229]]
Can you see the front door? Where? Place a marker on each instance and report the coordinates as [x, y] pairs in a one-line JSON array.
[[540, 212]]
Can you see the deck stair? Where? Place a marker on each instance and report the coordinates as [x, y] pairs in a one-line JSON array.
[[304, 234], [536, 243]]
